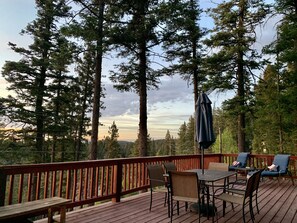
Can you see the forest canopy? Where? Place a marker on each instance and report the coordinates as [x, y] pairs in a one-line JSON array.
[[56, 88]]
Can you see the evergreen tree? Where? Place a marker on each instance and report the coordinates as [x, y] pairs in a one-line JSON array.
[[182, 140], [126, 150], [84, 95], [266, 124], [135, 37], [190, 136], [153, 150], [284, 48], [111, 144], [169, 145], [58, 126], [183, 46], [234, 59], [29, 77], [92, 28], [228, 143]]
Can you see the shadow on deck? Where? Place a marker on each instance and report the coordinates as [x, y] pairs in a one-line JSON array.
[[277, 203]]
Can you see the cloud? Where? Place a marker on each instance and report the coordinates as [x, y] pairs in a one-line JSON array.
[[266, 33], [168, 108], [119, 103], [172, 89]]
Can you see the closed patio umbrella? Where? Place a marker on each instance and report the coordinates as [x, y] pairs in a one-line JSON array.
[[204, 126]]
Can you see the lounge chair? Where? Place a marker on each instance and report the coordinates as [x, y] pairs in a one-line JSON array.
[[279, 167], [241, 161]]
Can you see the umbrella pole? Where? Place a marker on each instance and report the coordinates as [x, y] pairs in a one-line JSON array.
[[202, 161]]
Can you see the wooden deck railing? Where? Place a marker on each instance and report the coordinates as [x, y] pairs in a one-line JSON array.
[[87, 182]]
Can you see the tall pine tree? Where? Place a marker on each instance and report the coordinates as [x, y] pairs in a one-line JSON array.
[[29, 77], [233, 60], [135, 36]]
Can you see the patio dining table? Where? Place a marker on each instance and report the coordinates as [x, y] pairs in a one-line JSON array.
[[211, 176]]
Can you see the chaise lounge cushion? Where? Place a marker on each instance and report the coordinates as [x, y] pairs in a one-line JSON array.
[[280, 160], [242, 159]]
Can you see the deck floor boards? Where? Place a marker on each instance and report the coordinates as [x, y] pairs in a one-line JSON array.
[[277, 203]]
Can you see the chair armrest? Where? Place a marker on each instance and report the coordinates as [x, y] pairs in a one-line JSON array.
[[236, 191]]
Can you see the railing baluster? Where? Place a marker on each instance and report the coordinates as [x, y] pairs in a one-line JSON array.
[[68, 184], [29, 187], [92, 181], [10, 195], [74, 185], [2, 187], [125, 176], [38, 185], [81, 177], [133, 175], [53, 191], [20, 190], [86, 183], [46, 184], [107, 180], [102, 181], [60, 184], [97, 181], [129, 176]]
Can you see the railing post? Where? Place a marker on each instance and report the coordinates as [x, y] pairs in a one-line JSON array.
[[118, 178], [2, 187]]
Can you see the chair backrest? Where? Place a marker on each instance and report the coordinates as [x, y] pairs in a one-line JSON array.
[[257, 178], [243, 158], [218, 166], [169, 166], [156, 175], [184, 184], [250, 184], [282, 160]]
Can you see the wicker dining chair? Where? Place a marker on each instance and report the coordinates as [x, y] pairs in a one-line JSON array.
[[158, 184], [185, 187], [243, 198], [169, 166], [219, 167]]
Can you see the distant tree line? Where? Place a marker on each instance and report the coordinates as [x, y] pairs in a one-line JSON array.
[[58, 80]]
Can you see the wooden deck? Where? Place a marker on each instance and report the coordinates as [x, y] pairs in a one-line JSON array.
[[277, 203]]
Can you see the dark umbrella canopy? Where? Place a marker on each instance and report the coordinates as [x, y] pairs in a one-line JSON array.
[[204, 126]]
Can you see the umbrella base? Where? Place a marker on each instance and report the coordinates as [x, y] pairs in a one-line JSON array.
[[205, 210]]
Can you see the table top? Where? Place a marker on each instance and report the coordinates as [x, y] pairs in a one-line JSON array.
[[212, 175]]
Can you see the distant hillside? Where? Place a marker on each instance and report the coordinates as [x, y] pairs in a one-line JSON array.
[[124, 143]]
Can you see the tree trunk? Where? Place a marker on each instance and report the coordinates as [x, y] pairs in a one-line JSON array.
[[142, 103], [240, 81], [195, 75], [97, 84], [142, 135], [81, 121], [56, 118], [39, 156]]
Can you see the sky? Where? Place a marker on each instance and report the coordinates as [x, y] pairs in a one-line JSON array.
[[168, 108]]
